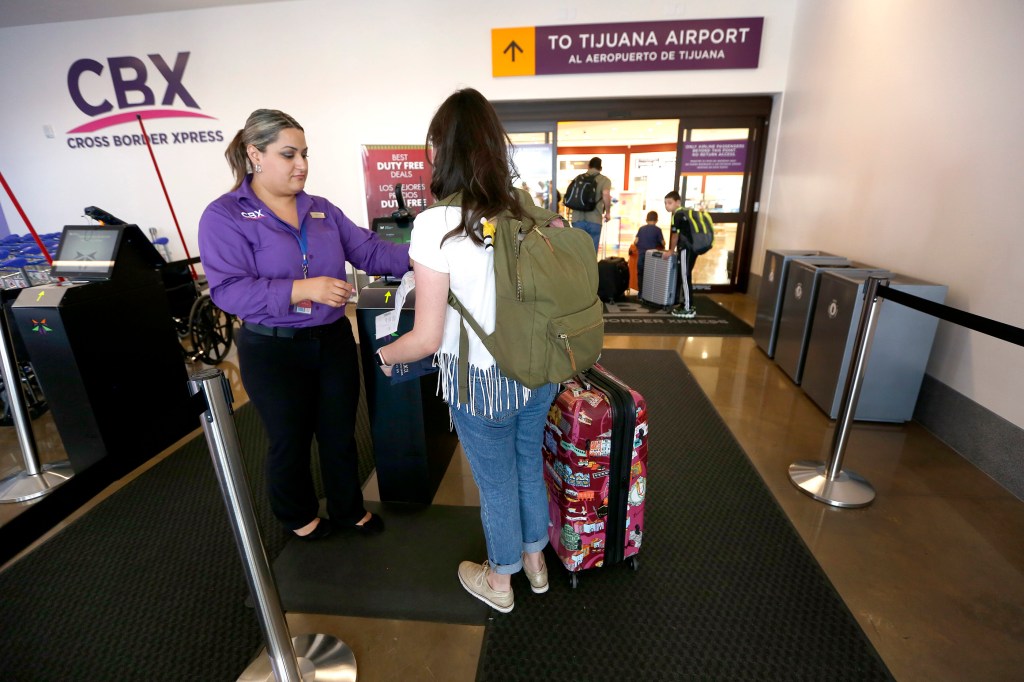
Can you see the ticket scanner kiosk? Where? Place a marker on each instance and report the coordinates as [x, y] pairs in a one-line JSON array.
[[412, 444], [105, 350]]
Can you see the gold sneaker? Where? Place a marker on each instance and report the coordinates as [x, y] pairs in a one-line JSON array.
[[538, 580], [474, 578]]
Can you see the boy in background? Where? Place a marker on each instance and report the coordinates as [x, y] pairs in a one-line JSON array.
[[648, 237], [681, 240]]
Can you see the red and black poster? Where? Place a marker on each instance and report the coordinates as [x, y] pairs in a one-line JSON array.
[[386, 165]]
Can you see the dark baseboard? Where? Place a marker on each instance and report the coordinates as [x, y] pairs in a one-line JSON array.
[[979, 435]]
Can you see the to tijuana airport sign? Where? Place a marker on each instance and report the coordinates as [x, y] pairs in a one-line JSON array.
[[636, 46]]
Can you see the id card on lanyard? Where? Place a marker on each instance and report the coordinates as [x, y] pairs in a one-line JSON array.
[[303, 307]]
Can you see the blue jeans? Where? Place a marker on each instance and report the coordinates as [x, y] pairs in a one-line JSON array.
[[504, 451], [593, 229]]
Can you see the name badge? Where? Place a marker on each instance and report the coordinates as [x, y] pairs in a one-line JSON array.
[[304, 307], [317, 214]]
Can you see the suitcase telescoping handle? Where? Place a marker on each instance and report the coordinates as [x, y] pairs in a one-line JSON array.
[[623, 413]]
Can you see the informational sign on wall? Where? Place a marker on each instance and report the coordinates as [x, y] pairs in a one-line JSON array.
[[714, 156], [386, 165], [636, 46]]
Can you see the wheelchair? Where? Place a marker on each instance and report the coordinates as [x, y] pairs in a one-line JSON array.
[[205, 332]]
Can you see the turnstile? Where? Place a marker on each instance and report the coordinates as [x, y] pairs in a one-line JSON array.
[[899, 352], [773, 286], [797, 317], [412, 444]]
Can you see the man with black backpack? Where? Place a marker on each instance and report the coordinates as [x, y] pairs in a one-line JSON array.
[[589, 195]]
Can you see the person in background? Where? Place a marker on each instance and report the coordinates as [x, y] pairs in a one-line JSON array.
[[275, 257], [591, 221], [500, 422], [681, 241], [648, 237]]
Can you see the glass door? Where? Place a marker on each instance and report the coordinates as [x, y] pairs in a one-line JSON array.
[[720, 132], [714, 174], [534, 152]]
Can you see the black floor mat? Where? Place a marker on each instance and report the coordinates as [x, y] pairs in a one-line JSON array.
[[148, 585], [725, 588], [408, 572], [632, 316]]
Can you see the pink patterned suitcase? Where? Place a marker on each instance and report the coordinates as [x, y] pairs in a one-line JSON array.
[[595, 467]]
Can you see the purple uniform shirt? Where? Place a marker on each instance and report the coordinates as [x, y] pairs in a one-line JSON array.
[[251, 257]]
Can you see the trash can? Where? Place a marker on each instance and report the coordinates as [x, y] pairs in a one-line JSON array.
[[797, 315], [899, 352], [412, 444], [773, 285]]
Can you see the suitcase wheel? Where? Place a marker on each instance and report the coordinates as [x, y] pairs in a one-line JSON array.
[[574, 580]]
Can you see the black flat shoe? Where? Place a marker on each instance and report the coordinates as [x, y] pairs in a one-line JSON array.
[[322, 530], [374, 526]]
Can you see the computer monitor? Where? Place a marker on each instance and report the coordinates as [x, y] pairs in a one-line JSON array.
[[87, 252]]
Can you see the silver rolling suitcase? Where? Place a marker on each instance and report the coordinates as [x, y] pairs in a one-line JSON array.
[[660, 277]]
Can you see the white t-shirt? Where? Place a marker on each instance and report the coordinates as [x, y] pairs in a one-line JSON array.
[[470, 269]]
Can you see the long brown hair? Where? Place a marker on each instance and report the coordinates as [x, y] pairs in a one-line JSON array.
[[471, 156], [261, 128]]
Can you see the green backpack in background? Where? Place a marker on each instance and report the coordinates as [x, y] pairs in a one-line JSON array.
[[549, 322], [703, 230]]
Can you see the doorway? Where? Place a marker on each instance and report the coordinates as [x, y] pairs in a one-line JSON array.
[[710, 150]]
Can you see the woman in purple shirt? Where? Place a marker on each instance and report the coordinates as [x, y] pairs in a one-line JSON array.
[[275, 257]]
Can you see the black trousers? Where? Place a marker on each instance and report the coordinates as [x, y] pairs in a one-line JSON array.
[[684, 294], [301, 388]]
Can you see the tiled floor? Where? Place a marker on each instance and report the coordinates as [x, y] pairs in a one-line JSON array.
[[933, 570]]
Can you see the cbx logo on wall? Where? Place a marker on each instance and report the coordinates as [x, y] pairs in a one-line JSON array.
[[135, 89]]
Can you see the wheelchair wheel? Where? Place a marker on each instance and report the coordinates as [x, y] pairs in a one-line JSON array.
[[212, 329]]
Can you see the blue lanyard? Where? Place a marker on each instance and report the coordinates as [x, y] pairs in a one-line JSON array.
[[303, 247]]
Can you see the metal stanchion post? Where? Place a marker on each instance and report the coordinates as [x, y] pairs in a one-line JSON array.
[[34, 481], [306, 657], [828, 483]]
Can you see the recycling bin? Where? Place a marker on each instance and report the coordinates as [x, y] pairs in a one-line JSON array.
[[798, 306], [901, 345], [773, 285]]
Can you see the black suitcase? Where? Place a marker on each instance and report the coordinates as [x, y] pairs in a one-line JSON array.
[[612, 279]]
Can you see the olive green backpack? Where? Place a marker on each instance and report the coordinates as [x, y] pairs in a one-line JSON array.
[[549, 322]]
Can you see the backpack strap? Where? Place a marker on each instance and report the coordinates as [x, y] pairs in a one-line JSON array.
[[463, 377], [542, 218], [702, 222]]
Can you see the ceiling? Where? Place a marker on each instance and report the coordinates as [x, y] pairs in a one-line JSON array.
[[29, 12]]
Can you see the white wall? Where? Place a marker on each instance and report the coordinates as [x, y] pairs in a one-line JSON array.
[[351, 73], [899, 144]]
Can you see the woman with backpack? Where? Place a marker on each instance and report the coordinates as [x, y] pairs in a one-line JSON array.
[[499, 421]]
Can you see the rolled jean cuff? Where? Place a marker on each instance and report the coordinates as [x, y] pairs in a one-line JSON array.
[[507, 569], [531, 547]]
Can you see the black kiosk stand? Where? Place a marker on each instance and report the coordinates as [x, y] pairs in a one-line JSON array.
[[105, 350], [412, 444]]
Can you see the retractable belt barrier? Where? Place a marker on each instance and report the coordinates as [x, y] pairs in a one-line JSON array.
[[827, 481], [288, 659]]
